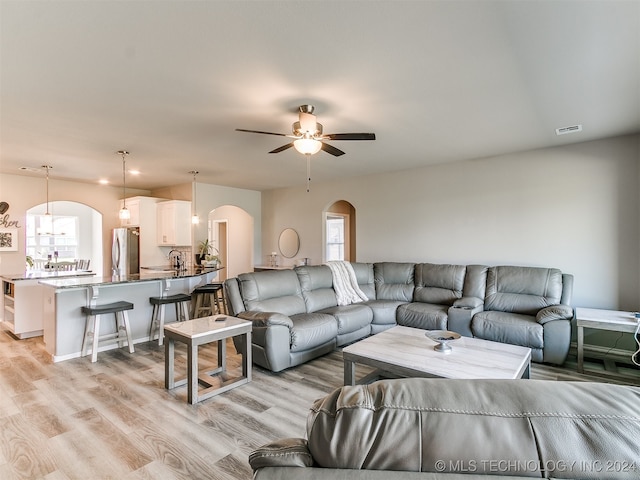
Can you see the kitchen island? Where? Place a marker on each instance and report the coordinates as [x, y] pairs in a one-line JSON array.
[[22, 313], [64, 322]]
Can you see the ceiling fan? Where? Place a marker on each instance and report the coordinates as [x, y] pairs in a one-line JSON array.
[[308, 135]]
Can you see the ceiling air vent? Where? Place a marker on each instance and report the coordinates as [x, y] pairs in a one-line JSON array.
[[571, 129]]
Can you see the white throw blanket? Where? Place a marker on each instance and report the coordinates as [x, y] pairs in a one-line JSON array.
[[345, 283]]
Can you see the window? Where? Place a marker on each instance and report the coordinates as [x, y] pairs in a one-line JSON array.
[[335, 237], [47, 234]]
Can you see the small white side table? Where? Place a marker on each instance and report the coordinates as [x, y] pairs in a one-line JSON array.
[[201, 331], [601, 320]]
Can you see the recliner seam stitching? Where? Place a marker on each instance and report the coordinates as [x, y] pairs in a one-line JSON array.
[[482, 413]]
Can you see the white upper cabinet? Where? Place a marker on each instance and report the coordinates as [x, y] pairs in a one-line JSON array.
[[174, 223]]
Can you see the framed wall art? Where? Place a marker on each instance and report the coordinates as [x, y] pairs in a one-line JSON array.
[[8, 239]]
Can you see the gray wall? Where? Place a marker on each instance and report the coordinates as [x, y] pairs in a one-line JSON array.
[[574, 208]]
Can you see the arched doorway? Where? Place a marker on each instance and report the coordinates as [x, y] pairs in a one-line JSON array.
[[339, 230], [230, 231]]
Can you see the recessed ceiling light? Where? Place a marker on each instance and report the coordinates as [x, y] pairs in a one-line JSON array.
[[570, 129], [134, 172], [103, 181]]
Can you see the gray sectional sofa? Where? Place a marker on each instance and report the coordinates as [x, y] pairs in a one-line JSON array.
[[419, 428], [296, 316]]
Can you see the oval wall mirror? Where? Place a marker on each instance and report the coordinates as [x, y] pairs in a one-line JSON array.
[[289, 243]]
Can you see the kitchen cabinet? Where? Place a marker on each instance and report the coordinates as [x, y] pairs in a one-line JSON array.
[[174, 223], [23, 307], [23, 302]]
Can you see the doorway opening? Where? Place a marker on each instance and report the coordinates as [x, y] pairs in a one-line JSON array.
[[230, 230], [339, 229]]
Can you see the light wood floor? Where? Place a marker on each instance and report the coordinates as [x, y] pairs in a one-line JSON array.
[[114, 419]]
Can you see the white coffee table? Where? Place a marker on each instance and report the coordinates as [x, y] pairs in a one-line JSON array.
[[407, 352]]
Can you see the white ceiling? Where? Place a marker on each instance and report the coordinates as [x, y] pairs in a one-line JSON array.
[[437, 81]]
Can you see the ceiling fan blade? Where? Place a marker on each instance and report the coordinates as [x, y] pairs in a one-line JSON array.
[[331, 149], [282, 148], [259, 131], [350, 136]]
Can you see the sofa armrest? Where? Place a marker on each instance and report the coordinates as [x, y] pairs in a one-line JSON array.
[[266, 319], [461, 313], [468, 302], [288, 452], [554, 312]]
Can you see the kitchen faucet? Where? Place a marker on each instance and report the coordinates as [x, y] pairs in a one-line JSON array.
[[179, 262]]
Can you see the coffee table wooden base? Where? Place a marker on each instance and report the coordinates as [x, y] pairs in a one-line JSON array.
[[202, 331], [407, 352]]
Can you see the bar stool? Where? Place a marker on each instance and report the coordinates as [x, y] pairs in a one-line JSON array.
[[209, 299], [92, 327], [157, 316]]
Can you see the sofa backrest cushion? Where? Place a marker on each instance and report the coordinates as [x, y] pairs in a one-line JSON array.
[[364, 276], [522, 289], [439, 284], [316, 283], [394, 281], [272, 291], [435, 425], [475, 281]]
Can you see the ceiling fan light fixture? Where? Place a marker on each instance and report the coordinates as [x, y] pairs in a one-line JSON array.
[[307, 146]]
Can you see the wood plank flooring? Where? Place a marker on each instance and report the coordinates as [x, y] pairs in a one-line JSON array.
[[115, 420]]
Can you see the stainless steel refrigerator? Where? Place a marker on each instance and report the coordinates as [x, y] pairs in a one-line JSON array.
[[125, 251]]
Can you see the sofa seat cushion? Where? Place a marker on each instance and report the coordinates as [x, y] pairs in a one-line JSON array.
[[384, 311], [350, 317], [311, 330], [423, 315], [513, 328]]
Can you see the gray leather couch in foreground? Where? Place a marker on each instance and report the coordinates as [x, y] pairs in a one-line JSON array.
[[459, 429], [296, 316]]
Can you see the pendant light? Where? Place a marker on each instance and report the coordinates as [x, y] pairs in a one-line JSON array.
[[194, 219], [124, 214], [46, 225], [47, 168]]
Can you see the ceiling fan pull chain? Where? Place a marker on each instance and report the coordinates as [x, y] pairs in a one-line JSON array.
[[308, 170]]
